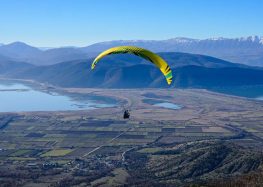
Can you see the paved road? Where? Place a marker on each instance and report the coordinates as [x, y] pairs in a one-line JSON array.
[[111, 140]]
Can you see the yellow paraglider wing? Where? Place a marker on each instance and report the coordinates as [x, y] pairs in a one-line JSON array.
[[148, 55]]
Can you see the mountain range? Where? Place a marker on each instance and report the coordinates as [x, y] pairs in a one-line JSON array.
[[129, 71], [245, 50]]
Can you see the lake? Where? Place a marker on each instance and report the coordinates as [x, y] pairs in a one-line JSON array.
[[162, 104], [168, 105], [17, 97]]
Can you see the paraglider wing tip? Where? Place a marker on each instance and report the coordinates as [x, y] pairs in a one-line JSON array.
[[92, 66], [169, 78]]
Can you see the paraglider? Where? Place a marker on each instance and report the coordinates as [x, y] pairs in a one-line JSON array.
[[146, 54], [126, 114]]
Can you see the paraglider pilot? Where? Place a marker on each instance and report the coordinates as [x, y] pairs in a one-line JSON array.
[[126, 114]]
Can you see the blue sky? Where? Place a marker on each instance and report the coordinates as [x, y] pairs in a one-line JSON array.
[[52, 23]]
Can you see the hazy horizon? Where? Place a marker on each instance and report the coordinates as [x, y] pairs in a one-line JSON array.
[[177, 37]]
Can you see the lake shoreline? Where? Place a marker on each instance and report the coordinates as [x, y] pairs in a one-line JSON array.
[[30, 96], [104, 95]]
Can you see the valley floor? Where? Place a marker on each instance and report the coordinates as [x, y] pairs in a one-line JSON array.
[[98, 148]]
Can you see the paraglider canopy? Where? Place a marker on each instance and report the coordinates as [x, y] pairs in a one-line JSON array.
[[146, 54]]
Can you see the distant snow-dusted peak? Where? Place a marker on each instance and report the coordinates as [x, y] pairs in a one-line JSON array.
[[256, 39], [183, 40], [217, 38]]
